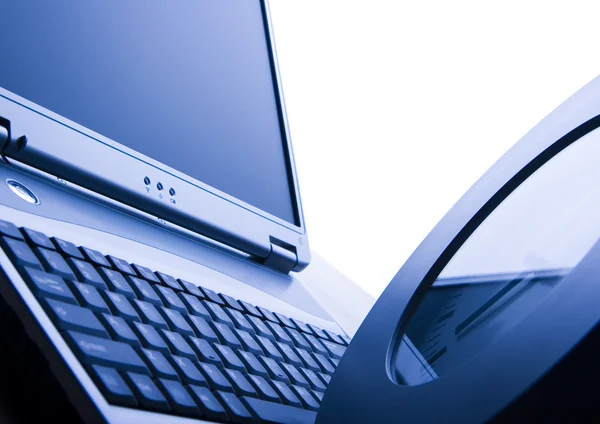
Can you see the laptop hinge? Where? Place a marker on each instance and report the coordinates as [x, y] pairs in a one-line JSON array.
[[282, 258], [4, 132]]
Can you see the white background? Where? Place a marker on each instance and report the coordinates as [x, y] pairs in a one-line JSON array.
[[397, 107]]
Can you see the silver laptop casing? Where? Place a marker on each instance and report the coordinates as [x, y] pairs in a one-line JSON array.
[[92, 193], [44, 140]]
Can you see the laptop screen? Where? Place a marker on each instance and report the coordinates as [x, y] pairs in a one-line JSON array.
[[188, 83]]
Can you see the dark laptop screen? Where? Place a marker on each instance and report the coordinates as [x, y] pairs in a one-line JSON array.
[[185, 82]]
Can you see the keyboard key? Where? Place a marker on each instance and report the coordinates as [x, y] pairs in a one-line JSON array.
[[289, 354], [158, 364], [68, 317], [342, 339], [263, 388], [95, 350], [150, 338], [188, 372], [315, 344], [205, 352], [170, 299], [335, 350], [177, 344], [301, 326], [309, 361], [231, 302], [148, 394], [269, 348], [9, 229], [210, 407], [144, 291], [149, 314], [212, 296], [95, 257], [194, 306], [120, 264], [176, 321], [252, 364], [191, 288], [19, 253], [112, 386], [250, 309], [240, 320], [274, 369], [318, 332], [202, 328], [285, 321], [119, 330], [181, 401], [334, 337], [119, 305], [280, 334], [295, 376], [269, 412], [215, 378], [317, 395], [169, 281], [287, 396], [312, 378], [307, 399], [86, 273], [37, 238], [89, 297], [298, 339], [240, 383], [324, 363], [218, 314], [268, 315], [116, 282], [54, 263], [146, 273], [261, 329], [230, 359], [67, 248], [226, 336], [324, 378], [249, 342], [48, 285], [236, 410]]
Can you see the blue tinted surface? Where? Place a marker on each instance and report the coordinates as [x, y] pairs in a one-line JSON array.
[[185, 82], [509, 265]]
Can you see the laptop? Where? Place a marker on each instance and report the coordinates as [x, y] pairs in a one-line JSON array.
[[151, 220]]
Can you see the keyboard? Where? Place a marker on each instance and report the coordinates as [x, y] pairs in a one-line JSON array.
[[155, 342]]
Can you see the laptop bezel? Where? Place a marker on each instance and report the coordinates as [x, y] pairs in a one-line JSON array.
[[196, 205]]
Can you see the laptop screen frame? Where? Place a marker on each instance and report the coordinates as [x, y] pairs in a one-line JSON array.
[[199, 207]]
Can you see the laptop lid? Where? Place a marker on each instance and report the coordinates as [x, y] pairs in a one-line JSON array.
[[174, 108]]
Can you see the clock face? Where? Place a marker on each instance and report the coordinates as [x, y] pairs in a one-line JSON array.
[[515, 258]]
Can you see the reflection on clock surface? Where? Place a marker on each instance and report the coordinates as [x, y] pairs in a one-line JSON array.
[[507, 267]]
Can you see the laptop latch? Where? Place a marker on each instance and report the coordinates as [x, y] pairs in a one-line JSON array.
[[282, 258]]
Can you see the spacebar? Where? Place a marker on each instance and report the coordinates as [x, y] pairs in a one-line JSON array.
[[270, 412]]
